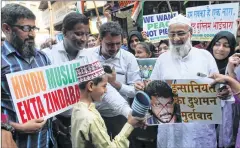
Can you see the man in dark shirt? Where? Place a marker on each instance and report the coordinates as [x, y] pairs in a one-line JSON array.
[[18, 54]]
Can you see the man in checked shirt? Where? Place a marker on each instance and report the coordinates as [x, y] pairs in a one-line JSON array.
[[18, 54]]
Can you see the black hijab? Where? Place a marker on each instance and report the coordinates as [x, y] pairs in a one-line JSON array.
[[138, 35], [222, 64]]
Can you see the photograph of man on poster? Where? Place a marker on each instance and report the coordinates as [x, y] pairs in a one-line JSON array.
[[163, 108]]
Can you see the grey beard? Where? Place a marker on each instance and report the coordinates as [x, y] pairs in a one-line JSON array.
[[182, 50], [24, 48]]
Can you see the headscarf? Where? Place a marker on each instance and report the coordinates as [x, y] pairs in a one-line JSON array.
[[138, 35], [222, 64]]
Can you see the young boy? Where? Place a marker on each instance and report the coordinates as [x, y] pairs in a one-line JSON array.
[[88, 128]]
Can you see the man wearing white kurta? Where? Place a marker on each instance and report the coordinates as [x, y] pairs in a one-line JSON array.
[[184, 62]]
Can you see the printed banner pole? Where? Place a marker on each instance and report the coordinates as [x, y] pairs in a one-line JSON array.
[[169, 7], [51, 19], [98, 18]]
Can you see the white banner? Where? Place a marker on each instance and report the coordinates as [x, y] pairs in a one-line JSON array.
[[208, 20], [156, 26]]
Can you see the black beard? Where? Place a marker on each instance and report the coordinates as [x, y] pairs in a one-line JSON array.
[[23, 47], [166, 121]]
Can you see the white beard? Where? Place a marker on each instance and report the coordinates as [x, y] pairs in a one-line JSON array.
[[180, 51]]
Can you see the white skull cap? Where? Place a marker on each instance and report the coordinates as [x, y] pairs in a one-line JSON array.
[[180, 19]]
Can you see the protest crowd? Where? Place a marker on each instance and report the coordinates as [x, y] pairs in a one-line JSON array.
[[89, 91]]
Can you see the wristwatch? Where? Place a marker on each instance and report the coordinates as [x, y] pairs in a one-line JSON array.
[[7, 127]]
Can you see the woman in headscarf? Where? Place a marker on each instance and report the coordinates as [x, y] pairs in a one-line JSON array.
[[135, 37], [222, 47]]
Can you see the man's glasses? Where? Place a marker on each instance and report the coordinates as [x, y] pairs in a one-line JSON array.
[[27, 28], [179, 34]]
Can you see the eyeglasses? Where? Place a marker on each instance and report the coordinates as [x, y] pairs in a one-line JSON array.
[[27, 28], [179, 34]]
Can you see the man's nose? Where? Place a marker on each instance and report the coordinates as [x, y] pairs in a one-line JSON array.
[[221, 47], [115, 47], [84, 38], [32, 33], [162, 111], [176, 38]]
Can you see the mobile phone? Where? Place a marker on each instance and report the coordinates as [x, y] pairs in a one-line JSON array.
[[107, 69], [222, 88], [201, 74]]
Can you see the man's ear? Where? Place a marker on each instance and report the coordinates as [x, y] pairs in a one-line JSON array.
[[6, 28], [90, 86], [190, 35], [191, 31]]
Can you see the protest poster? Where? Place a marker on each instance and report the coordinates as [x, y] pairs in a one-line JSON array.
[[146, 66], [156, 26], [184, 101], [208, 20], [44, 91]]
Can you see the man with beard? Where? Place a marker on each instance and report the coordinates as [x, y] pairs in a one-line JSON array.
[[183, 62], [76, 29], [18, 54], [163, 108]]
